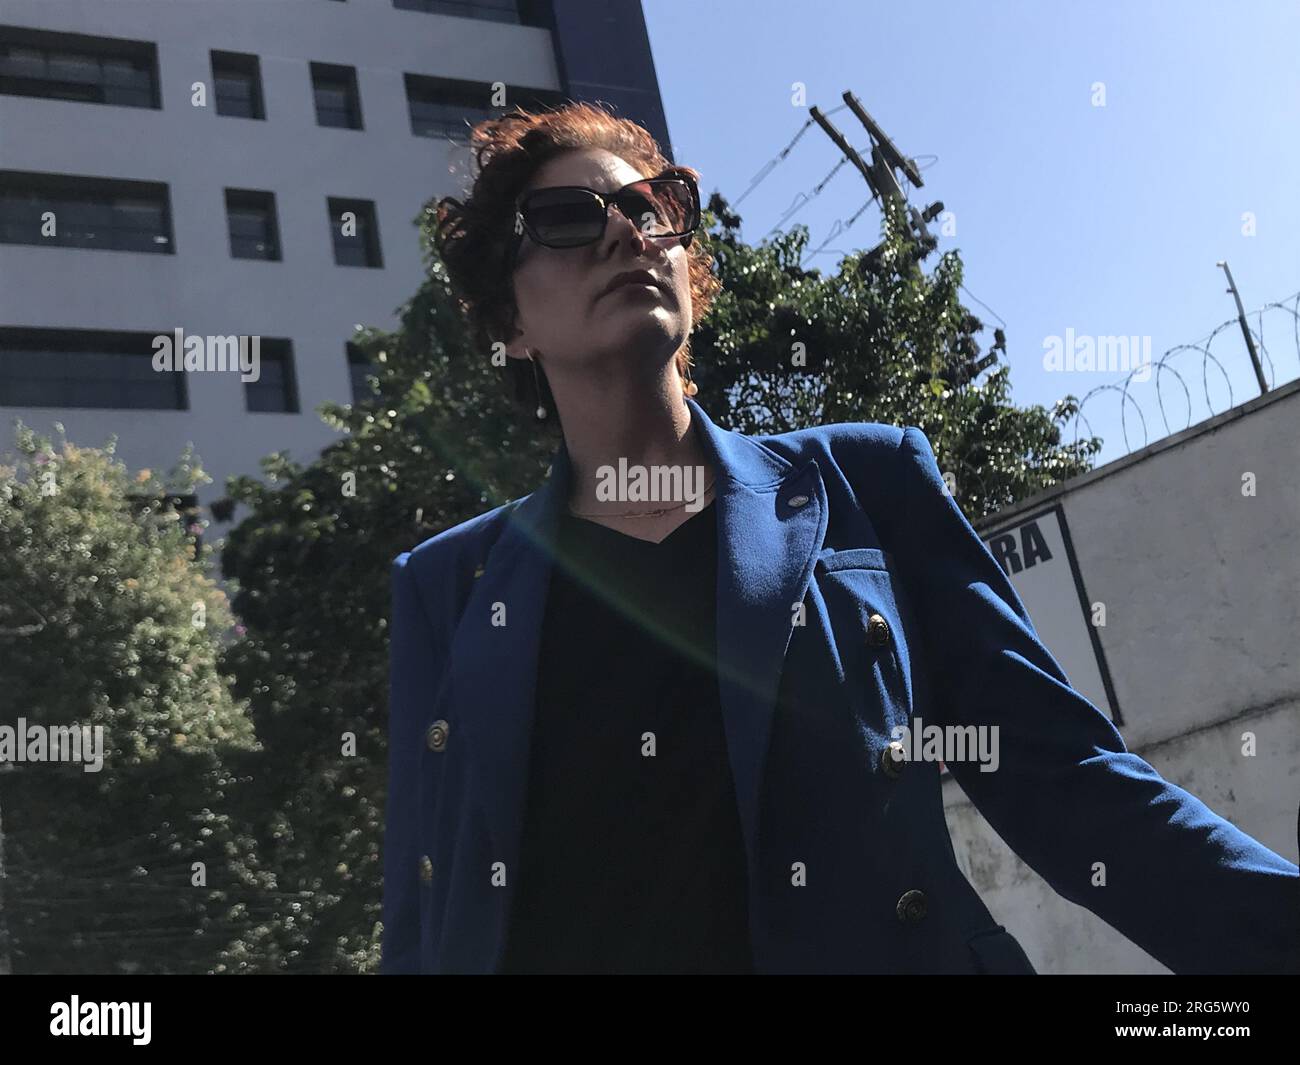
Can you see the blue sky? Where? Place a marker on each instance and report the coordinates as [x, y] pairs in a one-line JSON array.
[[1107, 221]]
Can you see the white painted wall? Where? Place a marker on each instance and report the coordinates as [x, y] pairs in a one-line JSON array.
[[1202, 593]]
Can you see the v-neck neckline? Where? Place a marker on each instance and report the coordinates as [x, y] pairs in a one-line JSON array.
[[585, 522]]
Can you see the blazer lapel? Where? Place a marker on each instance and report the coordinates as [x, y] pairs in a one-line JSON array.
[[494, 667], [771, 522]]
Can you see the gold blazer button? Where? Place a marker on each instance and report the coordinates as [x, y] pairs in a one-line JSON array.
[[436, 736], [892, 760], [877, 631], [912, 906]]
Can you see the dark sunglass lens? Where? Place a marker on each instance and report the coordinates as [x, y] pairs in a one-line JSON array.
[[659, 208], [564, 218]]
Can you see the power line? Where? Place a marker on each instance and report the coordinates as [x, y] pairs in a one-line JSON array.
[[984, 305], [777, 159], [803, 199], [837, 229]]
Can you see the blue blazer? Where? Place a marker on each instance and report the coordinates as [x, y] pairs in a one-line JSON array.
[[905, 615]]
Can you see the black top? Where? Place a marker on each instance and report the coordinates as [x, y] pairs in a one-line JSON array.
[[630, 862]]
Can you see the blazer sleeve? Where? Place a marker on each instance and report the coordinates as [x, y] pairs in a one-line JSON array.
[[1187, 886], [414, 666]]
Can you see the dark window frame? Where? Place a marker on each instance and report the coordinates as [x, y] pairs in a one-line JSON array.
[[64, 346], [227, 66], [282, 352], [503, 11], [359, 369], [367, 235], [60, 54], [327, 77], [248, 200], [463, 99], [78, 196]]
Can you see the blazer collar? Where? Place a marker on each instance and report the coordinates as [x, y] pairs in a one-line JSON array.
[[771, 522], [740, 461]]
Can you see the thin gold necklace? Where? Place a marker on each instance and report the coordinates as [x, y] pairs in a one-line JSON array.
[[638, 513]]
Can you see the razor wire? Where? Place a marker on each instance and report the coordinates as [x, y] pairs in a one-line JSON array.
[[1166, 375]]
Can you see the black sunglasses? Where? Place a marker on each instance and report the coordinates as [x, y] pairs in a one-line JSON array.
[[569, 216]]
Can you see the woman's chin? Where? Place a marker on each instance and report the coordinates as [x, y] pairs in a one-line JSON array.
[[650, 332]]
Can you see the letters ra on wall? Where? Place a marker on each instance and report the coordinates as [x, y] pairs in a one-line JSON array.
[[1037, 555]]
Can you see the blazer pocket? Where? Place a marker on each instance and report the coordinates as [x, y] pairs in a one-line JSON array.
[[853, 558], [867, 629]]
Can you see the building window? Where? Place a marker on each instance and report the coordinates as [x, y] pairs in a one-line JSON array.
[[449, 107], [275, 389], [359, 370], [337, 102], [81, 212], [356, 234], [85, 368], [237, 81], [441, 107], [71, 66], [490, 10], [254, 231]]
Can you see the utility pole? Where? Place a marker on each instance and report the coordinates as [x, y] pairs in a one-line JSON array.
[[1245, 330], [884, 185], [885, 159], [849, 151]]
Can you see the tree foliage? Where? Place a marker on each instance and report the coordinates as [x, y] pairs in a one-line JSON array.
[[882, 340], [108, 620], [437, 442]]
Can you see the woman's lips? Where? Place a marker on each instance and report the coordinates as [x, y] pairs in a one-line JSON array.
[[633, 279]]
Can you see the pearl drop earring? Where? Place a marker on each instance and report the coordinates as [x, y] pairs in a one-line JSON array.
[[537, 387]]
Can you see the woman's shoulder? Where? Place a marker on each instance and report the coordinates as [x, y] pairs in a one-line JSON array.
[[842, 443], [459, 540]]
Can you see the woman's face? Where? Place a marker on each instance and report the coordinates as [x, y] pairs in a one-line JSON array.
[[565, 314]]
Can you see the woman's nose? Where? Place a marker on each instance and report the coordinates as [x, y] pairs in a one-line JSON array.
[[619, 218], [621, 225]]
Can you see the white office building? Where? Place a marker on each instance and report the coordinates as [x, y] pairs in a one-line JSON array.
[[191, 165]]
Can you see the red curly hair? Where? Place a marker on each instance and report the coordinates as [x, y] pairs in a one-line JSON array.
[[474, 237]]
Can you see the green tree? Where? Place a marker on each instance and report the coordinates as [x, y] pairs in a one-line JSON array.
[[107, 620], [877, 340], [438, 441]]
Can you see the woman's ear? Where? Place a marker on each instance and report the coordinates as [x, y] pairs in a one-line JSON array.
[[516, 346], [504, 331]]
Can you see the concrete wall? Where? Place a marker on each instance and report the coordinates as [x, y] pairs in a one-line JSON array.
[[1202, 591]]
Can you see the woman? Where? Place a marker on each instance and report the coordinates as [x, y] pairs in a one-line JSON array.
[[659, 730]]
